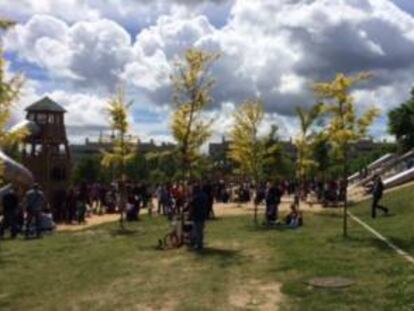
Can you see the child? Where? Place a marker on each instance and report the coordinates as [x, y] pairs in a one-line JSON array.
[[173, 239], [294, 219]]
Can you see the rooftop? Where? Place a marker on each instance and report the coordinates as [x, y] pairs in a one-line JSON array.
[[45, 105]]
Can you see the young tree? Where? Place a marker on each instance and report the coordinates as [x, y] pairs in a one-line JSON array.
[[192, 85], [320, 154], [163, 165], [272, 154], [123, 150], [10, 90], [305, 141], [401, 123], [246, 148], [345, 126]]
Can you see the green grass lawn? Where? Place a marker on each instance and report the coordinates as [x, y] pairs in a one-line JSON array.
[[243, 268], [399, 227]]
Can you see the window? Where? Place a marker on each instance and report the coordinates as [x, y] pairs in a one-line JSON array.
[[62, 149], [31, 116], [38, 149], [41, 118], [28, 148], [51, 119]]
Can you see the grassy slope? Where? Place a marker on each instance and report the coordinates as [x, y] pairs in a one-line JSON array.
[[99, 269], [399, 226]]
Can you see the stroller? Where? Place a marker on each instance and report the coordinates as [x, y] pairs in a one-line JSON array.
[[181, 233]]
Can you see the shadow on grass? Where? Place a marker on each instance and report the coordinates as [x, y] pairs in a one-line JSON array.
[[221, 257], [4, 305], [217, 252], [329, 213], [265, 228], [405, 244], [124, 232]]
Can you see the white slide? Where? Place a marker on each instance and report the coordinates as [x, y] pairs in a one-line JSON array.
[[14, 172]]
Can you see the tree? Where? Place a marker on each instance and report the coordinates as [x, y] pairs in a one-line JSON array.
[[138, 168], [10, 89], [88, 168], [222, 165], [246, 148], [163, 166], [320, 154], [305, 141], [345, 126], [401, 123], [272, 154], [192, 85], [123, 150]]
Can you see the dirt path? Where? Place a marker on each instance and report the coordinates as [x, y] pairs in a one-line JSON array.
[[230, 209], [90, 222], [234, 209], [220, 209]]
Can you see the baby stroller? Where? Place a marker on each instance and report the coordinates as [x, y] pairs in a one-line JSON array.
[[181, 233]]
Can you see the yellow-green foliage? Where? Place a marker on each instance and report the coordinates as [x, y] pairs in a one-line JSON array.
[[246, 148], [192, 85], [305, 140], [345, 126], [10, 88], [123, 147], [6, 24]]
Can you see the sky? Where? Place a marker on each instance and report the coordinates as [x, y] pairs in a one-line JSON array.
[[78, 51]]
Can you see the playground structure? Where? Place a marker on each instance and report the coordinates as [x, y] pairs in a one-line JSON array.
[[45, 154], [15, 173], [394, 169]]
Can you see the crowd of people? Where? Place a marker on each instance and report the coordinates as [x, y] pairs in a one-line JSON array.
[[30, 217], [186, 205]]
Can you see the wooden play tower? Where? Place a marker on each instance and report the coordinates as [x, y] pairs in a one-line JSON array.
[[47, 153]]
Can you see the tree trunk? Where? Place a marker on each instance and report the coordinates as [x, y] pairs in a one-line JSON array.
[[255, 212], [122, 188], [345, 185]]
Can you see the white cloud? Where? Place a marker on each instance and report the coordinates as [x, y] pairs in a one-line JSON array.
[[92, 53], [273, 49]]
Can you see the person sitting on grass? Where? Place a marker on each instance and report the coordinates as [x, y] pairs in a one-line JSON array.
[[294, 219], [46, 221]]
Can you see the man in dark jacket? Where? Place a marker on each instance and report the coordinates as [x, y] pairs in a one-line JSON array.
[[208, 190], [377, 191], [35, 202], [199, 210], [272, 201], [10, 204]]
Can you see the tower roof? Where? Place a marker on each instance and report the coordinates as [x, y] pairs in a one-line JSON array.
[[45, 105]]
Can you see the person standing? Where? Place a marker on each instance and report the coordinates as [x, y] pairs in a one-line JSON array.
[[199, 210], [82, 199], [70, 206], [35, 201], [377, 192], [10, 204], [272, 201], [208, 190]]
